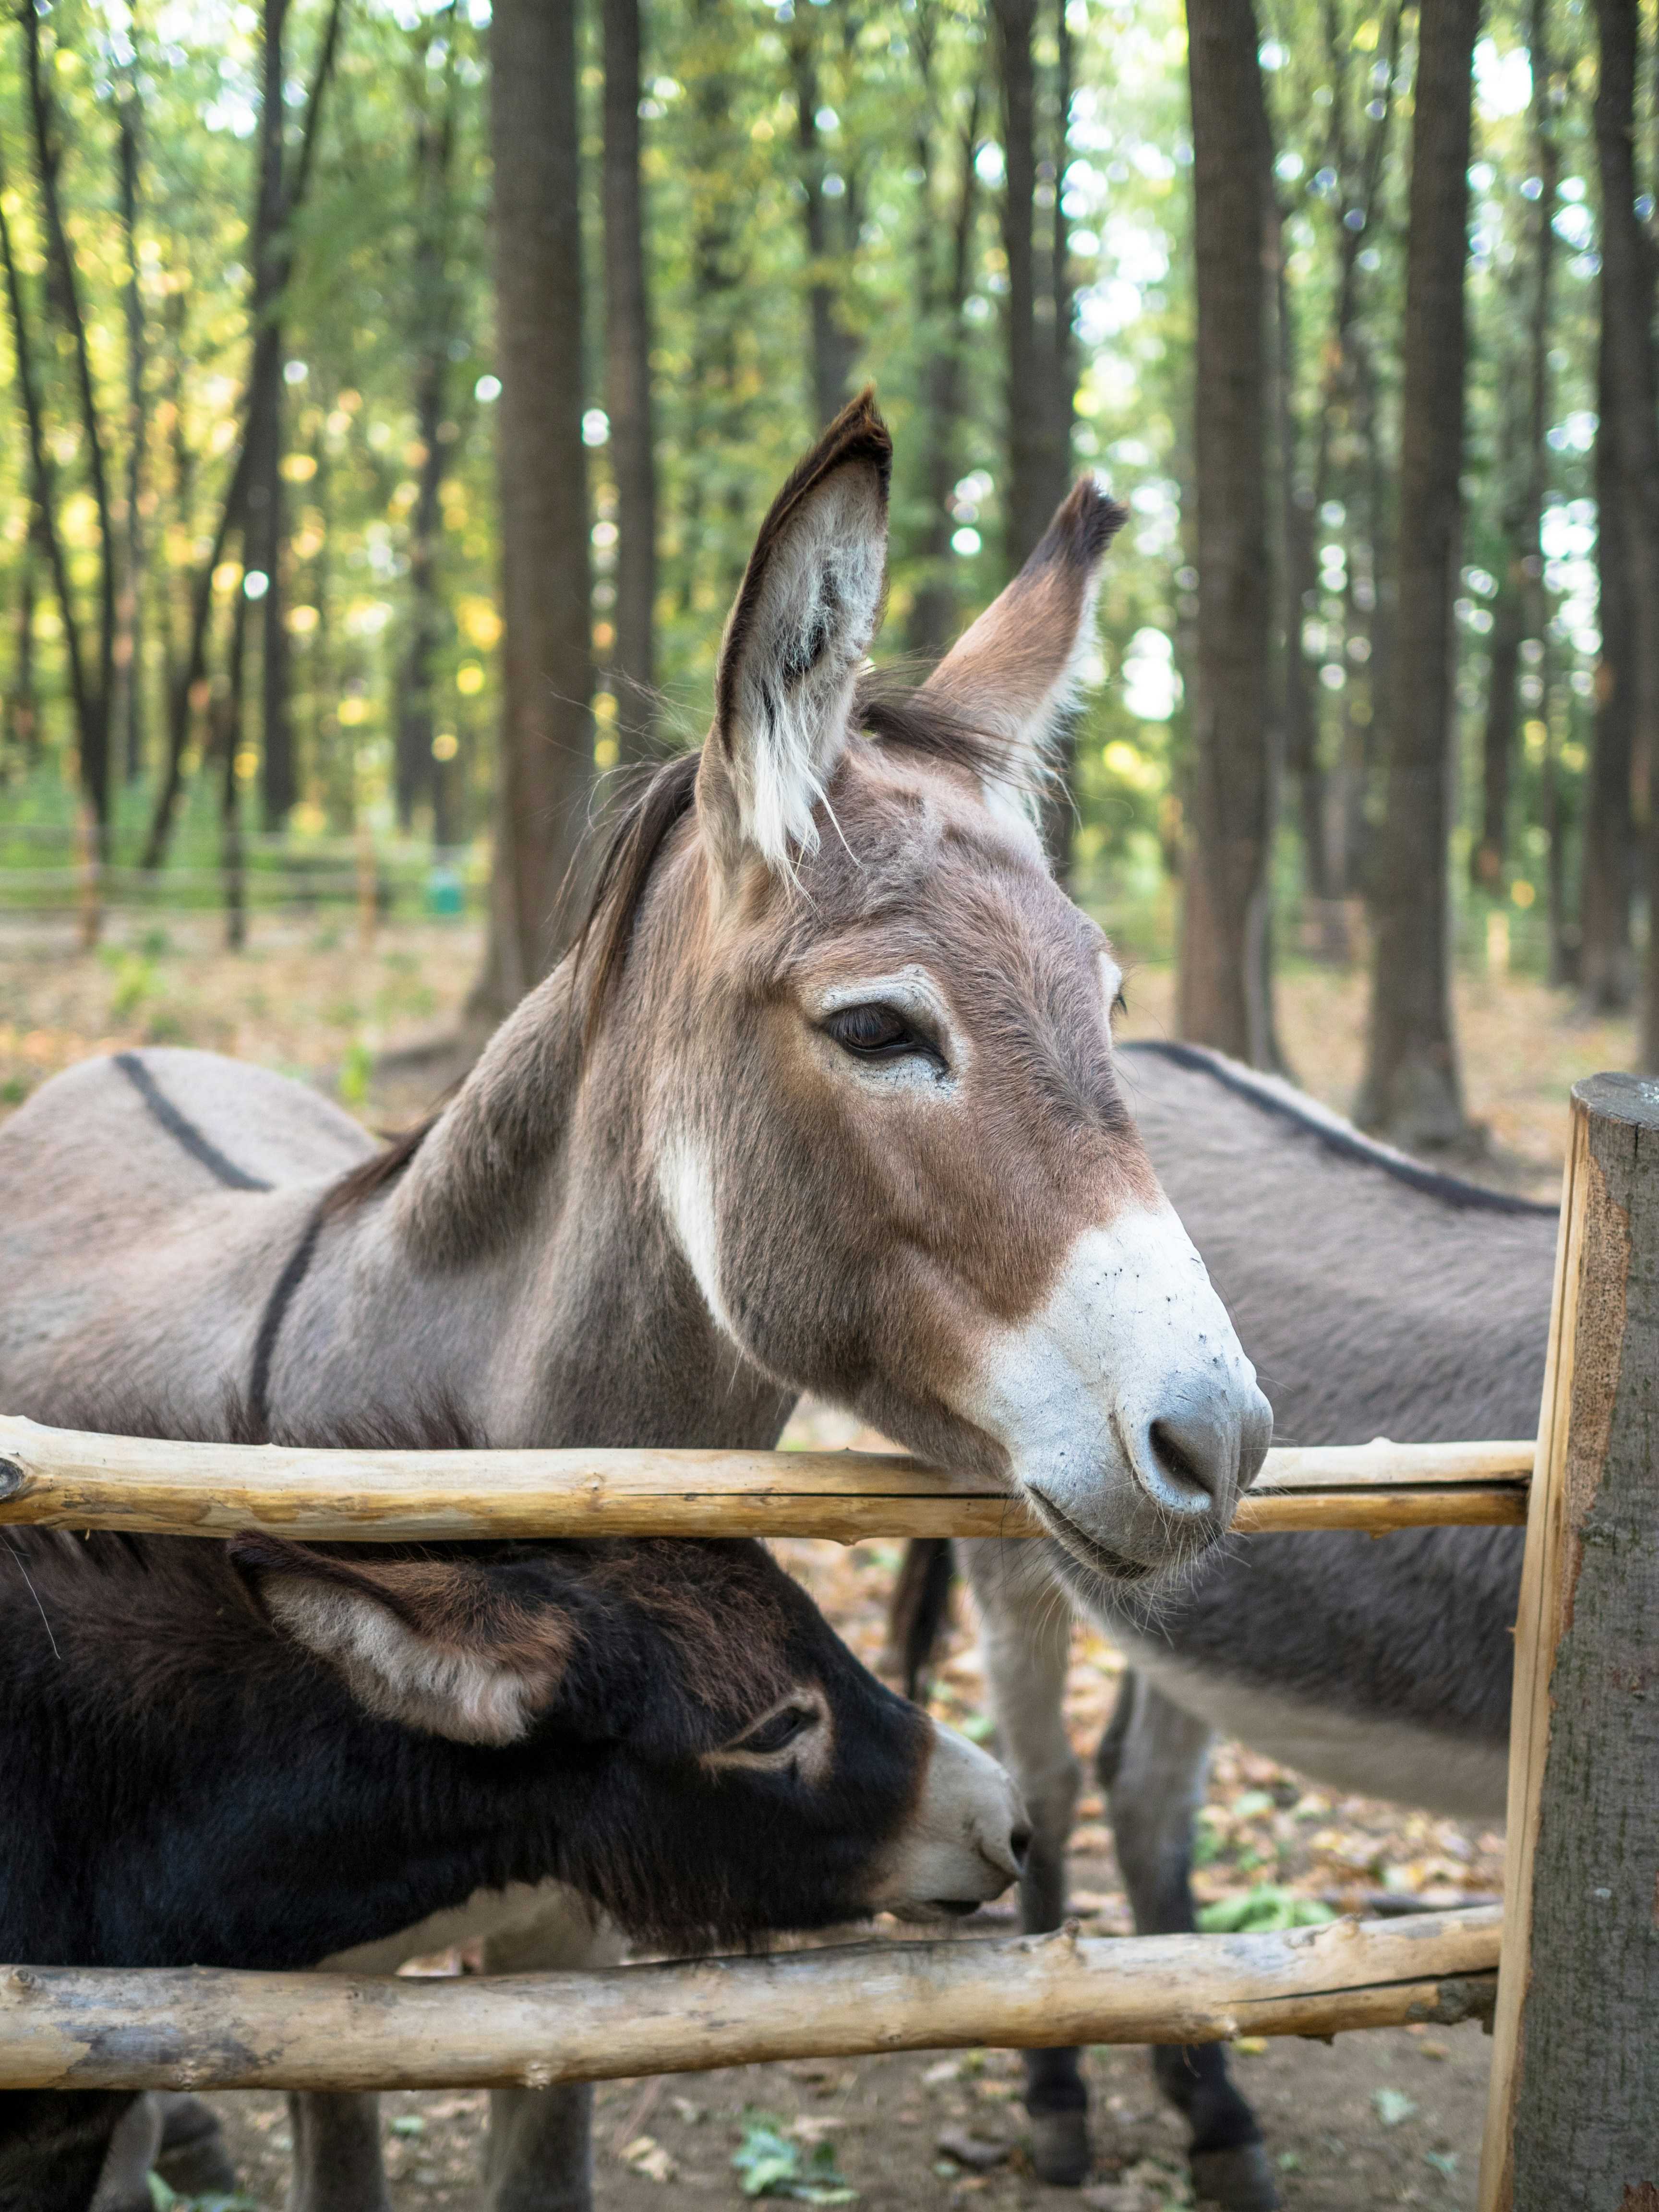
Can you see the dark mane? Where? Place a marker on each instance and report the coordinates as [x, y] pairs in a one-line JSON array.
[[904, 718]]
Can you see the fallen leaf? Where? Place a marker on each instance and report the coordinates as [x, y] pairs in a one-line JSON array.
[[978, 2153], [1393, 2105]]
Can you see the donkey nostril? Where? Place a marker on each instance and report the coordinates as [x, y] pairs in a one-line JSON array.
[[1192, 1458]]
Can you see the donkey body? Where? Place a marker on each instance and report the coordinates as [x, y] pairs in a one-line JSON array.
[[823, 1100], [261, 1755], [1376, 1298]]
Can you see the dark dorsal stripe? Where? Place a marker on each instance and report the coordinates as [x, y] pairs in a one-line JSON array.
[[183, 1130], [270, 1323], [1346, 1144]]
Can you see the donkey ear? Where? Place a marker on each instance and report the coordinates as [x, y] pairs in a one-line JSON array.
[[440, 1644], [801, 625], [1017, 670]]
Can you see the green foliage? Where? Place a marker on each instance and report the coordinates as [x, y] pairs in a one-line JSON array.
[[1264, 1909], [905, 106], [770, 2163]]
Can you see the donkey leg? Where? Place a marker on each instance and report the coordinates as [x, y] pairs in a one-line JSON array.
[[192, 2158], [539, 2157], [1152, 1763], [337, 2153], [124, 2184], [1025, 1634], [55, 2147]]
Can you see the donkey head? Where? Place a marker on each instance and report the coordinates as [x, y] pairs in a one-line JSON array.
[[673, 1727], [889, 1143]]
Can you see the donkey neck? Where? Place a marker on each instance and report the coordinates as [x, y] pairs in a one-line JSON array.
[[518, 1280]]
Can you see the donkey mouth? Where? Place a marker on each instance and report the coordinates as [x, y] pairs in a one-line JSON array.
[[1099, 1557]]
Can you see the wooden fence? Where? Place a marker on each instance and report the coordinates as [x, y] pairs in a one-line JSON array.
[[1574, 2112]]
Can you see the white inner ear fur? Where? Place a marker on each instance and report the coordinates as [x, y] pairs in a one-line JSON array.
[[818, 598], [392, 1673]]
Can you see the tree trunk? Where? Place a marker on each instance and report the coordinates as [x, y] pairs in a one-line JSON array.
[[545, 769], [1522, 610], [1607, 959], [1039, 457], [266, 364], [628, 386], [1497, 738], [92, 668], [22, 699], [833, 346], [1412, 1089], [418, 773], [1224, 873], [264, 534], [933, 611], [130, 612], [1629, 425]]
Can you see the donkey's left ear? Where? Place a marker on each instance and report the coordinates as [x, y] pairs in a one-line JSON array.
[[454, 1647], [800, 628], [1017, 670]]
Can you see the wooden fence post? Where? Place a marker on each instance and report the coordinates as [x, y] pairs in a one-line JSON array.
[[1573, 2118]]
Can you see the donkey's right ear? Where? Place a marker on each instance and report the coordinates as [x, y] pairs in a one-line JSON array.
[[799, 629], [1016, 668]]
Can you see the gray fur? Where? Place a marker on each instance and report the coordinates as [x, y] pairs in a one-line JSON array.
[[1375, 1299]]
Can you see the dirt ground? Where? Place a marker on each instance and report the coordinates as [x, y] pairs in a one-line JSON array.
[[1386, 2118]]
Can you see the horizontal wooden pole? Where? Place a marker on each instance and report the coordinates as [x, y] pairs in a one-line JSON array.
[[66, 1479], [195, 2028]]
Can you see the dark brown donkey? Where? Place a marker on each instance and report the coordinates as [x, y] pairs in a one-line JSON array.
[[825, 1100]]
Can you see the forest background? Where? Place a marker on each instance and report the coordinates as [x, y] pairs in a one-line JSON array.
[[394, 392]]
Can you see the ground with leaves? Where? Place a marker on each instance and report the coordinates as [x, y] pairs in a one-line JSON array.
[[1381, 2119]]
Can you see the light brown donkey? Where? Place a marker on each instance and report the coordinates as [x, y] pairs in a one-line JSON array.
[[824, 1101]]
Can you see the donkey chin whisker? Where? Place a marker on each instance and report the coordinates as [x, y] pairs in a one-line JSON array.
[[1099, 1557]]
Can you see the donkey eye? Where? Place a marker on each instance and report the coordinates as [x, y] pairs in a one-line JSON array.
[[880, 1032], [778, 1730]]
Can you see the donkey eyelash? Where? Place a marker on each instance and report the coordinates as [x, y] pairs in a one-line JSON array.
[[874, 1030], [778, 1731]]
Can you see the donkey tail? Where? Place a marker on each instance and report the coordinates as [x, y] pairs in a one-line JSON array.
[[918, 1610]]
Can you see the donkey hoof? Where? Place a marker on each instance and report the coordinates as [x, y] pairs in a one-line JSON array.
[[1059, 2148], [1238, 2180], [192, 2159]]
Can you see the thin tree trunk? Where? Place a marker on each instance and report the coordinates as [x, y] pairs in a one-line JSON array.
[[264, 534], [22, 699], [833, 348], [266, 364], [545, 767], [1038, 456], [1607, 969], [417, 773], [232, 874], [1498, 737], [93, 671], [129, 640], [933, 611], [628, 386], [1224, 873], [1629, 424], [1520, 610], [1412, 1089]]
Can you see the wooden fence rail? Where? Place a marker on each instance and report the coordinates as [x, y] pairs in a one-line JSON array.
[[63, 1479], [196, 2027]]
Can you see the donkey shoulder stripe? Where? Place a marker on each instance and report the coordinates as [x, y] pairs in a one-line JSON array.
[[270, 1320], [1333, 1133], [182, 1129]]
